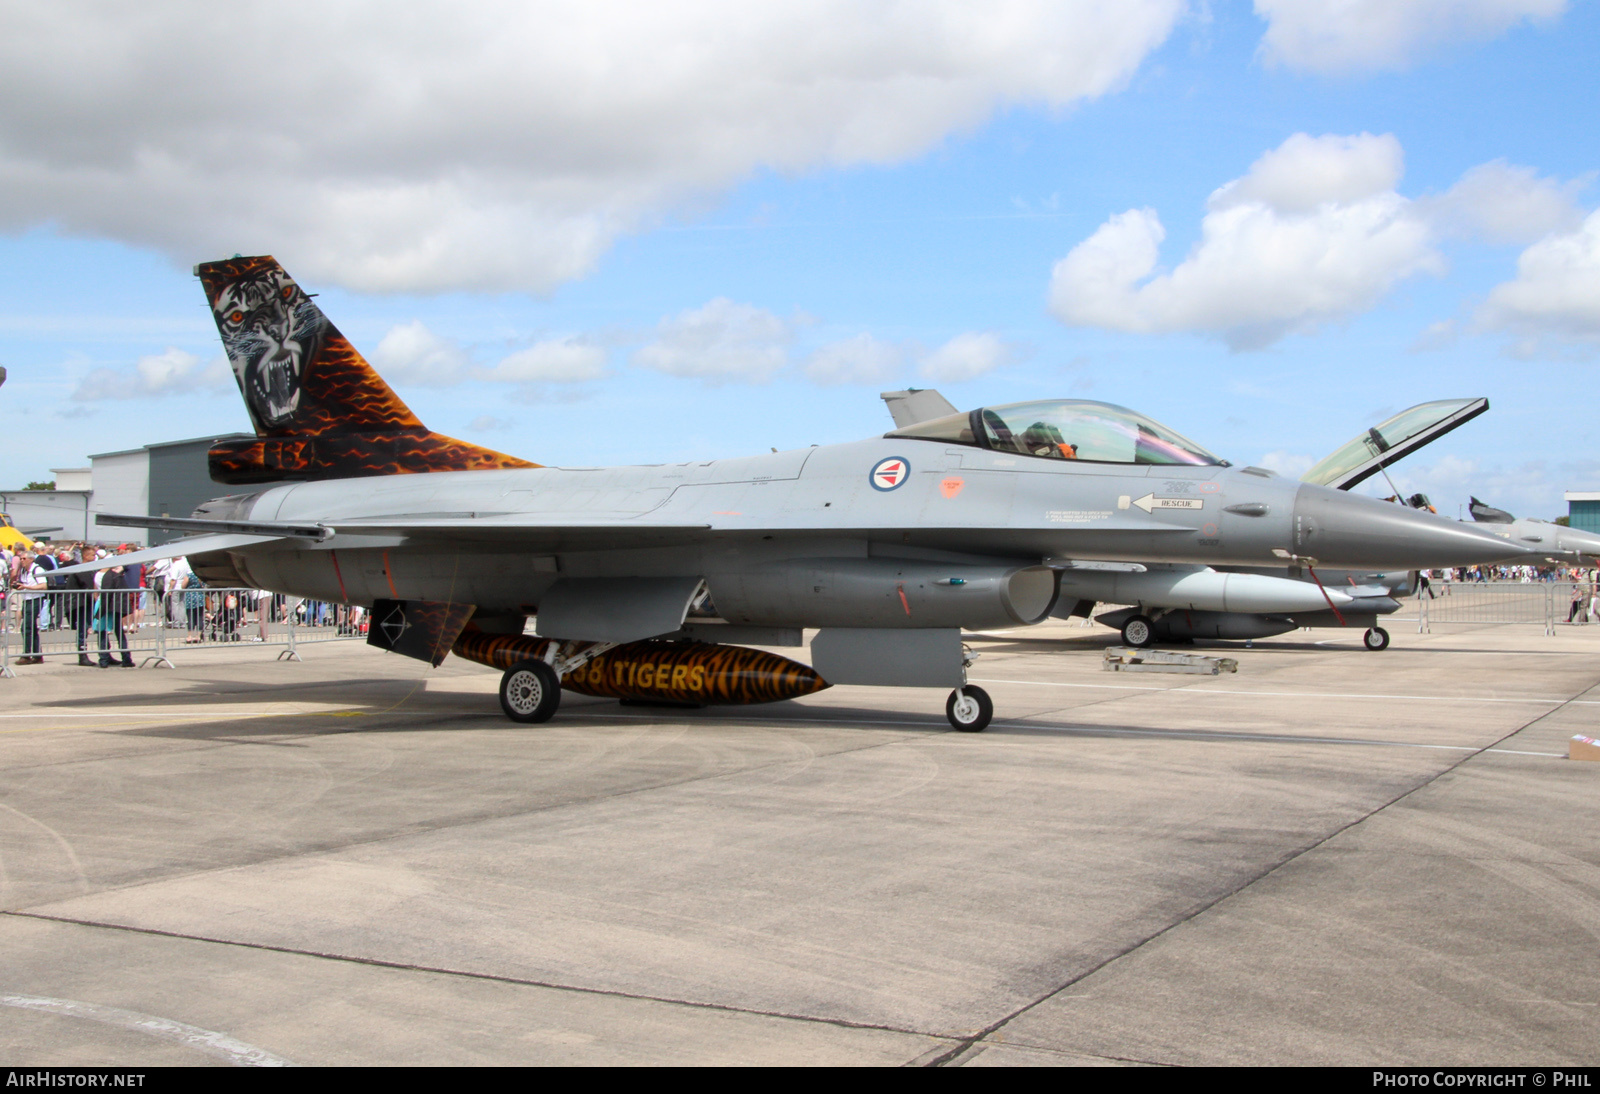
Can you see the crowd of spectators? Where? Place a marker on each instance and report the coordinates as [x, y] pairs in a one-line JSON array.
[[105, 607], [1513, 573], [107, 603], [1584, 602]]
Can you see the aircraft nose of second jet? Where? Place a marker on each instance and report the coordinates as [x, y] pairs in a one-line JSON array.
[[1338, 528]]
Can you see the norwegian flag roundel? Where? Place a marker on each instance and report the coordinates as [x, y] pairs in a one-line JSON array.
[[890, 472]]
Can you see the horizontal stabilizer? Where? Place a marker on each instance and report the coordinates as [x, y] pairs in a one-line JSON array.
[[275, 529], [178, 548]]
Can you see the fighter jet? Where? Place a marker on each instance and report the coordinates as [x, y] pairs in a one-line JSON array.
[[889, 546], [1555, 543]]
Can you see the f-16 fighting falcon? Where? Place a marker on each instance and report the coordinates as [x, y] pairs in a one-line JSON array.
[[1550, 542], [889, 546]]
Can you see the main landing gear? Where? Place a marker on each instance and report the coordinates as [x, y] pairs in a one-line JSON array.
[[1376, 638], [969, 708], [530, 691], [1137, 632]]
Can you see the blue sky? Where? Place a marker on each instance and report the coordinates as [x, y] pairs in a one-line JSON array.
[[713, 234]]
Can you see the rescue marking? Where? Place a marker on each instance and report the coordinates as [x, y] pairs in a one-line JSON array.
[[890, 473], [951, 487], [1150, 501]]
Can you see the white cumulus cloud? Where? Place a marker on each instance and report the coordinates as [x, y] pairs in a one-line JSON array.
[[863, 359], [1312, 233], [1291, 465], [569, 360], [1503, 203], [967, 356], [1305, 172], [1365, 35], [501, 145], [1556, 293], [412, 354], [173, 372], [720, 342]]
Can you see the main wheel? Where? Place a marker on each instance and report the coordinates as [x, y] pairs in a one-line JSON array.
[[1376, 638], [969, 709], [530, 691], [1138, 632]]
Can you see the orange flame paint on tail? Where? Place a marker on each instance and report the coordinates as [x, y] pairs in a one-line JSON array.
[[319, 409]]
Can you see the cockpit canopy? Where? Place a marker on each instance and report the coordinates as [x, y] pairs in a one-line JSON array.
[[1065, 430], [1391, 439]]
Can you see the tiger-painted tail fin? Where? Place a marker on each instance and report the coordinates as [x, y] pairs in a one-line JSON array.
[[319, 409]]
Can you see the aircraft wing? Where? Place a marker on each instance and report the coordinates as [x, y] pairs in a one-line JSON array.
[[548, 530], [272, 529], [507, 525], [231, 534], [194, 545]]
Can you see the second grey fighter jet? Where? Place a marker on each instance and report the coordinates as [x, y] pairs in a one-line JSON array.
[[889, 546]]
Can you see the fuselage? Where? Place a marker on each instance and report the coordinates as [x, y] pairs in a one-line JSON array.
[[766, 525]]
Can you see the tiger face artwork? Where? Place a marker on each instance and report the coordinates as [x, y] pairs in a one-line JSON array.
[[270, 329]]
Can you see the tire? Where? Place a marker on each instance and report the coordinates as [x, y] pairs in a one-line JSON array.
[[530, 691], [1138, 632], [969, 709], [1376, 639]]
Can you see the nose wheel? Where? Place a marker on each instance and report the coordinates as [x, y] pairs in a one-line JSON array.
[[969, 708], [1376, 638], [530, 691]]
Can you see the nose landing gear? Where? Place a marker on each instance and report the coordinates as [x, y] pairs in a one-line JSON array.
[[1376, 639], [969, 708]]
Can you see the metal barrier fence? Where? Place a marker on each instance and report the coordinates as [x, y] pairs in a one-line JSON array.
[[1547, 603], [137, 627]]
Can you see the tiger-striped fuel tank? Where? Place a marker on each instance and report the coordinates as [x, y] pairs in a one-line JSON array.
[[677, 672]]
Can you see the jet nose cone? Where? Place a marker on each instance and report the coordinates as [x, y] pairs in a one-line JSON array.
[[1350, 530]]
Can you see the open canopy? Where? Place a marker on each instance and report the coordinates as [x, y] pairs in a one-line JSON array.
[[1391, 440], [1065, 429]]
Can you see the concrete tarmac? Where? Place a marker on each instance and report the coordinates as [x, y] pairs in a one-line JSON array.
[[1332, 857]]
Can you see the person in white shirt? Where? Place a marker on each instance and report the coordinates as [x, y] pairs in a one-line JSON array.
[[33, 580]]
